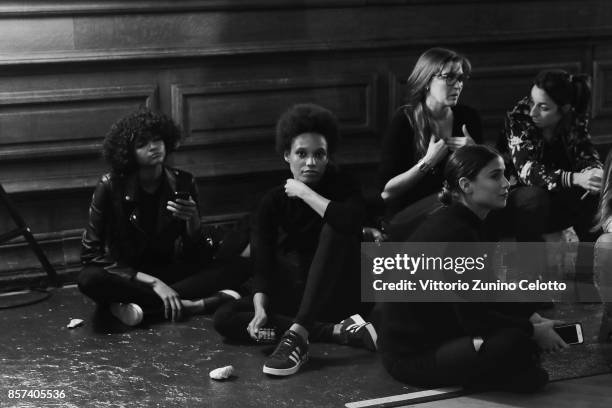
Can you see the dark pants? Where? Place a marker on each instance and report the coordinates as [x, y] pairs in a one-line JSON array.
[[401, 225], [190, 281], [330, 291], [507, 359], [533, 211]]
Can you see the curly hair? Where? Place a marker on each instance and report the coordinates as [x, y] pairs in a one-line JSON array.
[[138, 127], [306, 118]]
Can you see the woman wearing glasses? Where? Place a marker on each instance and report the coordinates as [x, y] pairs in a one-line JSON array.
[[422, 134]]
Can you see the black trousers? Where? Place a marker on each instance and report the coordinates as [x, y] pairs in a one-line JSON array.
[[507, 359], [190, 281], [401, 225], [330, 293], [533, 211]]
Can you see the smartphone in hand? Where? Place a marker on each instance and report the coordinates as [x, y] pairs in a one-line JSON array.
[[183, 195], [570, 333]]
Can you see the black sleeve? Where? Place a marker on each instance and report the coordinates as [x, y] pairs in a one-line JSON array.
[[397, 152], [93, 243], [348, 214], [264, 240]]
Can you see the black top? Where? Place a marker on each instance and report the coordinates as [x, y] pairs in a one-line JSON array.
[[128, 228], [413, 327], [399, 154], [288, 223]]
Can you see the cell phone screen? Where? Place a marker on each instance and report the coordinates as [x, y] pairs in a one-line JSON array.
[[571, 333]]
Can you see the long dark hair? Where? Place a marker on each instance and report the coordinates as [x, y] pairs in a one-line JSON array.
[[604, 211], [464, 162], [566, 90], [429, 64]]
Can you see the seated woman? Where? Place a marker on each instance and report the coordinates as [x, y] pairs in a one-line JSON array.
[[603, 251], [470, 344], [420, 137], [553, 160], [143, 250], [306, 248]]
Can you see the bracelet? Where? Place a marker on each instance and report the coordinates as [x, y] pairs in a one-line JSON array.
[[424, 167]]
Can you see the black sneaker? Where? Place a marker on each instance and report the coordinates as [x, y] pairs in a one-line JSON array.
[[289, 355], [357, 332]]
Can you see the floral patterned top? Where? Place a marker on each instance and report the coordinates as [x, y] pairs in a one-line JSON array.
[[547, 164]]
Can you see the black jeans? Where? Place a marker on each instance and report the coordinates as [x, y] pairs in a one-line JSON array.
[[507, 359], [190, 281], [401, 225], [533, 211], [330, 293]]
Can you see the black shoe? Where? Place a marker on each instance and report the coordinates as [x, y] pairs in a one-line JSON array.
[[289, 355], [357, 332]]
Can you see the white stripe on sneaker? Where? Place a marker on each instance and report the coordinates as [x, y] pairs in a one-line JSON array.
[[358, 319]]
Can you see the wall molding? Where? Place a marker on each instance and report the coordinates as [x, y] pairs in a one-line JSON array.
[[18, 150], [306, 89]]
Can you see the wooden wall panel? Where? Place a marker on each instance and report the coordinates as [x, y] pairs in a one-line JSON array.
[[225, 70]]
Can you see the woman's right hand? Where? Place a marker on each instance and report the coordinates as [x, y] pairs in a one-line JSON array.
[[258, 321], [546, 337], [260, 301], [589, 179], [173, 307], [436, 151]]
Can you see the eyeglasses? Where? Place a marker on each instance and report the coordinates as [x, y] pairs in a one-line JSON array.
[[452, 78]]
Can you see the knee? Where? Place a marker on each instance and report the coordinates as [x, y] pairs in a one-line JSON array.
[[221, 319], [331, 236], [512, 344], [89, 278], [604, 240], [531, 201]]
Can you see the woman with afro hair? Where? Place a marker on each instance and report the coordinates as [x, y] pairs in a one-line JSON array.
[[306, 246], [143, 251]]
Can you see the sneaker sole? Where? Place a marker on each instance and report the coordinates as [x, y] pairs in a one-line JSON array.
[[372, 331], [129, 314], [282, 372]]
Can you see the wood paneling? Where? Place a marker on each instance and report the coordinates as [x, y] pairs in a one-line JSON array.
[[226, 69]]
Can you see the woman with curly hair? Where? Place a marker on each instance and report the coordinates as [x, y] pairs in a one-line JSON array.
[[143, 250], [306, 244]]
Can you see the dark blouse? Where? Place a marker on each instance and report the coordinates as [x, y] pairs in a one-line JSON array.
[[412, 327], [289, 224], [399, 154]]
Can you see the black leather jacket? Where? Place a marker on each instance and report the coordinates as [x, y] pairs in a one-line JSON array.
[[115, 240]]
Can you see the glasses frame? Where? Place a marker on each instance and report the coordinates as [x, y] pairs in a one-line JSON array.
[[451, 78]]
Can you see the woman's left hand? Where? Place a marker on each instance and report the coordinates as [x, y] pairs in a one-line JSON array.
[[455, 143], [295, 188]]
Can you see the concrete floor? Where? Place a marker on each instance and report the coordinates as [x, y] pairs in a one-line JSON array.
[[103, 364]]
